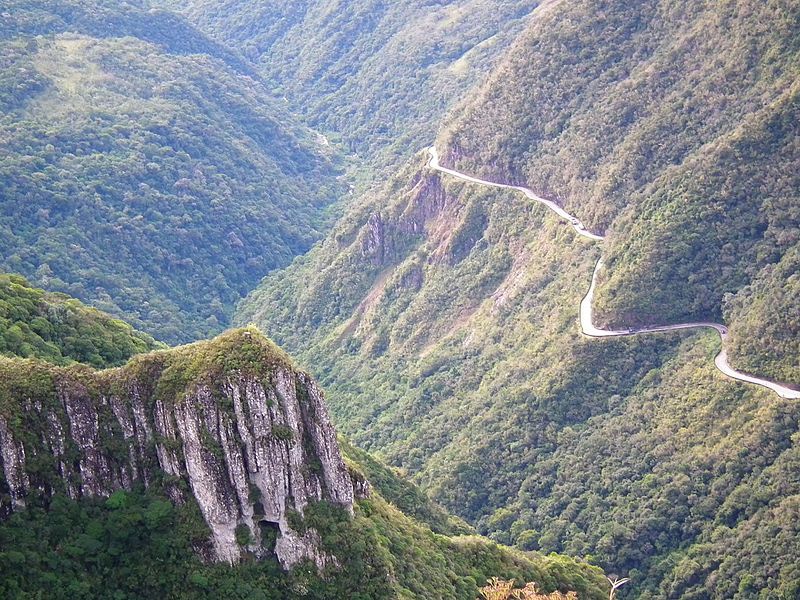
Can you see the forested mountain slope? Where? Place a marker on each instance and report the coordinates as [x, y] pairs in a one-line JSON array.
[[443, 317], [445, 326], [673, 126], [378, 75], [139, 545], [143, 168], [127, 483], [60, 329]]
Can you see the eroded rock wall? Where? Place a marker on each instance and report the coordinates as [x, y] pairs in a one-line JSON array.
[[249, 448]]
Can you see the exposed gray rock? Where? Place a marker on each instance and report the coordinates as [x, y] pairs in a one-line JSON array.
[[361, 486], [339, 486], [383, 233], [57, 442], [13, 454], [373, 242], [251, 449], [96, 476]]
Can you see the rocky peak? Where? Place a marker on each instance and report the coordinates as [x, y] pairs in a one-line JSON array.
[[229, 423]]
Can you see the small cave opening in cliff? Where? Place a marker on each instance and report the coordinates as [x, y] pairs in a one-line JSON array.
[[270, 532]]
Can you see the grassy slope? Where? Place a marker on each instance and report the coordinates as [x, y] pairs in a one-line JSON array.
[[376, 75], [145, 169], [60, 329], [672, 125]]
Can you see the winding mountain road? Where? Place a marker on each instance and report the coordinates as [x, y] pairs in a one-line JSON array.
[[587, 316]]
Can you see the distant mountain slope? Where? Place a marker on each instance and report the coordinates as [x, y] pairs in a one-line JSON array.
[[103, 18], [60, 329], [378, 74], [673, 126], [154, 176], [443, 319]]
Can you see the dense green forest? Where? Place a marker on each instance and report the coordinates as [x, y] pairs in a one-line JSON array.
[[60, 329], [158, 173], [767, 332], [443, 319], [139, 544], [672, 125], [150, 175], [376, 76], [402, 493]]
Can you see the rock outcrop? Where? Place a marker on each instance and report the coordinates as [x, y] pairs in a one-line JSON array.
[[229, 423]]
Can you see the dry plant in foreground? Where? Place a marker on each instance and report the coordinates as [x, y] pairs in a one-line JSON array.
[[499, 589]]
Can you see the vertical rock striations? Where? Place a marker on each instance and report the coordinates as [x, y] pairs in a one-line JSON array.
[[228, 423]]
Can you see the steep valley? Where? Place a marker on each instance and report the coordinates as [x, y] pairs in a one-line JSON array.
[[443, 316], [146, 169], [376, 76], [191, 165]]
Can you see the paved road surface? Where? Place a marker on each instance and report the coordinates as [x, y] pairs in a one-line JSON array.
[[587, 317]]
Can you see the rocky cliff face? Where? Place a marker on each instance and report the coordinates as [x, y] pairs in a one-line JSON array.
[[228, 423]]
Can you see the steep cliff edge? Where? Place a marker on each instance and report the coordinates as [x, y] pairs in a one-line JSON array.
[[229, 422], [213, 471]]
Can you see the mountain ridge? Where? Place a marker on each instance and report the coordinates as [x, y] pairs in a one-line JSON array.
[[157, 186], [227, 440], [587, 313], [677, 138]]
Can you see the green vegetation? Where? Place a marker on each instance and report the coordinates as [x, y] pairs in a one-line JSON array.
[[730, 220], [60, 329], [689, 487], [375, 76], [442, 318], [131, 545], [673, 126], [766, 336], [244, 351], [144, 169], [138, 545], [401, 492]]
